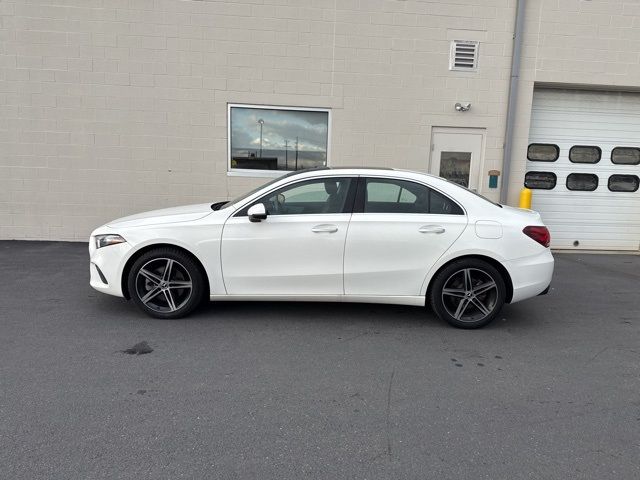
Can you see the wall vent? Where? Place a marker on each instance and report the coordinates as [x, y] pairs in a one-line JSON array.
[[464, 55]]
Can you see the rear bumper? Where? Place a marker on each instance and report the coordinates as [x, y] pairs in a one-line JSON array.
[[531, 275], [545, 291]]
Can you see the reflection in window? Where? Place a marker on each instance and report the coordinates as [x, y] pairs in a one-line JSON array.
[[585, 154], [383, 191], [455, 166], [586, 182], [441, 205], [623, 183], [625, 156], [320, 195], [540, 180], [275, 138], [543, 152], [402, 196]]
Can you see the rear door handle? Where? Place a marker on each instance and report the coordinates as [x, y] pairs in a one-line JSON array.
[[431, 229], [325, 228]]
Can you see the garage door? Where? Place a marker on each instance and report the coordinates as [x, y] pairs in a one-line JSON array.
[[583, 164]]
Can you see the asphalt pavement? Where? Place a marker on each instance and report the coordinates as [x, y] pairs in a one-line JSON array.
[[550, 390]]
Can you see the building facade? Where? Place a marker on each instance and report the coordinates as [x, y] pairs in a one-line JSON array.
[[111, 107]]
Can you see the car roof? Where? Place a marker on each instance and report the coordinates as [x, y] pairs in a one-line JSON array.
[[324, 169], [435, 181], [358, 170]]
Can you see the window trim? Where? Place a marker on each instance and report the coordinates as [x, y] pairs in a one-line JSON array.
[[586, 146], [358, 204], [555, 180], [627, 148], [245, 172], [545, 144], [582, 190], [623, 175], [349, 202]]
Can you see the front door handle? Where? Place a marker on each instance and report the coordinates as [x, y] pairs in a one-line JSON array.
[[325, 228], [431, 229]]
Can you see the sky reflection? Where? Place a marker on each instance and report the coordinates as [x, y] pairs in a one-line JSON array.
[[280, 130]]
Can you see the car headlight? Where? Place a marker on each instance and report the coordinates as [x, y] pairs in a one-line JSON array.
[[106, 240]]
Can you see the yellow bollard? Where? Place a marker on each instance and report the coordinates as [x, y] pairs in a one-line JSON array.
[[525, 198]]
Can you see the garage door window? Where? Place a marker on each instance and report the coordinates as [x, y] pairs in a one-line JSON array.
[[586, 182], [623, 183], [585, 154], [625, 156], [540, 180], [543, 152]]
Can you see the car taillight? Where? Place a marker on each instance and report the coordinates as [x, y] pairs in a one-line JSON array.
[[539, 234]]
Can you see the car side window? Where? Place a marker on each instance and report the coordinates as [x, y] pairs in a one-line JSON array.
[[441, 205], [384, 195], [320, 195]]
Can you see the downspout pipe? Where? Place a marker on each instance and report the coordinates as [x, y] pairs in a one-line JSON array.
[[513, 98]]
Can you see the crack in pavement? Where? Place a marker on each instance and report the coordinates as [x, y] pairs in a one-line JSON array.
[[393, 372]]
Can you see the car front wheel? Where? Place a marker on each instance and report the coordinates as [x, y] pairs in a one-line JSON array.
[[166, 283], [468, 293]]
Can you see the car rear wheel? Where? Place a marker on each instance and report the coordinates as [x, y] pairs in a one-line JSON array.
[[468, 293], [166, 283]]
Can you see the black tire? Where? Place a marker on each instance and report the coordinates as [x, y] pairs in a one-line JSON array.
[[476, 283], [160, 297]]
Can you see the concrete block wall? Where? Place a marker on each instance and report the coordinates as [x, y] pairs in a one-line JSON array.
[[111, 107]]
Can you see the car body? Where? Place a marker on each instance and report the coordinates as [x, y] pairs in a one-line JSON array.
[[351, 234]]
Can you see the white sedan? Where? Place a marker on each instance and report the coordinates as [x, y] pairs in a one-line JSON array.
[[335, 235]]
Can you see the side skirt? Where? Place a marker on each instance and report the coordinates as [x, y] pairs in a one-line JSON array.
[[415, 300]]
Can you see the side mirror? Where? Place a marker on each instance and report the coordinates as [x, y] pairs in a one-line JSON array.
[[257, 213]]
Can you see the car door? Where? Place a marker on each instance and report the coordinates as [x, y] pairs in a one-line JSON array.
[[398, 230], [298, 249]]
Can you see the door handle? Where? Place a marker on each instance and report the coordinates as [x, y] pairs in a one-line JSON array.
[[431, 229], [325, 228]]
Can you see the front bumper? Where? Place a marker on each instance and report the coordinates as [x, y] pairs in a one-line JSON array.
[[106, 265]]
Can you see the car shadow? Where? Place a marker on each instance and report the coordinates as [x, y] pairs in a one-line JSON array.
[[316, 311], [521, 316], [518, 316]]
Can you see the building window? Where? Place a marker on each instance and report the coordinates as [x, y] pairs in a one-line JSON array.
[[543, 152], [540, 180], [585, 154], [586, 182], [276, 139], [623, 183], [625, 156]]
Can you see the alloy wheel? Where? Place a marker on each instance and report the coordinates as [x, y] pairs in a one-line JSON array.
[[163, 285], [470, 295]]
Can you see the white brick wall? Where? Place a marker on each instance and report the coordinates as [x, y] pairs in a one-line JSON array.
[[110, 107]]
